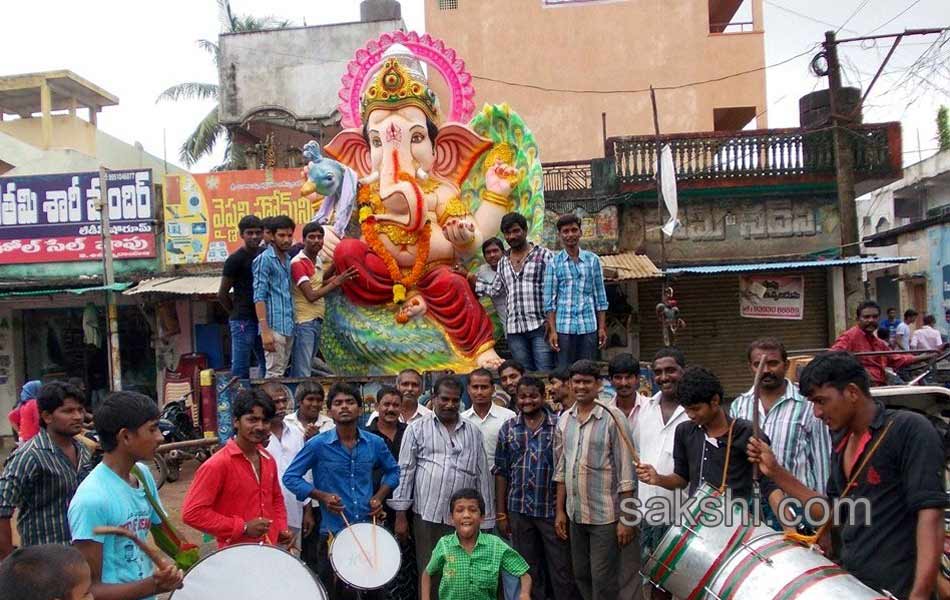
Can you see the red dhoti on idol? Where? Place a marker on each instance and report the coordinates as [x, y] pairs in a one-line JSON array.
[[447, 294]]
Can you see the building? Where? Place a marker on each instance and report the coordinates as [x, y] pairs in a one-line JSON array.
[[920, 203], [558, 45], [52, 299]]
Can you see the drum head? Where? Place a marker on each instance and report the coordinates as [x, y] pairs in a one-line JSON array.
[[249, 572], [351, 565]]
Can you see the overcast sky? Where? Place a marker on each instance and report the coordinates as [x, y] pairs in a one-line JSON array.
[[136, 49]]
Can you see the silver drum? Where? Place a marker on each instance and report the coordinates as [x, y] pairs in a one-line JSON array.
[[771, 568], [688, 558]]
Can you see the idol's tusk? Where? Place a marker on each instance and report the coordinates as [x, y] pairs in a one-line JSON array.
[[371, 178]]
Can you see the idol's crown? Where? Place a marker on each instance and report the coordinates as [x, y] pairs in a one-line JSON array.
[[395, 87]]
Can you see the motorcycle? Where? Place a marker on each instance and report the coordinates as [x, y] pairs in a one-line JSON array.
[[183, 441]]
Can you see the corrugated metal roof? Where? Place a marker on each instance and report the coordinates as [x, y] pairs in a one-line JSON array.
[[115, 287], [630, 266], [196, 285], [788, 266]]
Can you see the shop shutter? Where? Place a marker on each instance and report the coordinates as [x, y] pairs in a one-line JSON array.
[[716, 336]]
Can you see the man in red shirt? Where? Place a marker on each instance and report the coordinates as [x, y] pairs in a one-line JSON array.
[[862, 338], [236, 496]]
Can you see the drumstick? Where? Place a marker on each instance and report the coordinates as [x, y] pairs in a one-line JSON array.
[[155, 556], [375, 552], [357, 540], [621, 428], [756, 430]]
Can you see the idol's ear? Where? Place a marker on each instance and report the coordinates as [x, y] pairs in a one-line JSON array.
[[350, 148], [457, 149]]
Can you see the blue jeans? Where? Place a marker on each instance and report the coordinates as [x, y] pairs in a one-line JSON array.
[[245, 342], [306, 344], [532, 350], [575, 347]]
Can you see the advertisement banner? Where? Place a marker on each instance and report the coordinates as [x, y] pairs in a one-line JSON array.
[[772, 296], [202, 211], [53, 218]]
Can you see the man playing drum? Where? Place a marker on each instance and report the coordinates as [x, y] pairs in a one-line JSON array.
[[236, 496], [342, 461], [893, 459], [710, 447]]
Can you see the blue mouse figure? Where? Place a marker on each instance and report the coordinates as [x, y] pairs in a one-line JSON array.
[[335, 182]]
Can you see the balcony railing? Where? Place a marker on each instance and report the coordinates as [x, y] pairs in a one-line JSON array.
[[569, 177], [756, 157]]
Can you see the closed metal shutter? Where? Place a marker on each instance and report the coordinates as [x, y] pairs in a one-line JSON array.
[[716, 336]]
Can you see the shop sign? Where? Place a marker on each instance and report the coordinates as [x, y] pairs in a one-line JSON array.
[[53, 218], [202, 211], [772, 296]]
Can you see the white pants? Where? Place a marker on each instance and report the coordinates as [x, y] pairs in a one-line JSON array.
[[278, 360]]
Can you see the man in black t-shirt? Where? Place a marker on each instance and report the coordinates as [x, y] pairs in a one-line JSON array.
[[895, 458], [245, 339]]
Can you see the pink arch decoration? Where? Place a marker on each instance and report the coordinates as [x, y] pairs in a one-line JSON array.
[[426, 48]]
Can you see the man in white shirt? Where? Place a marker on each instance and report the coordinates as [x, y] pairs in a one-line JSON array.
[[653, 435], [409, 384], [927, 337], [902, 339], [284, 443], [309, 419], [484, 414]]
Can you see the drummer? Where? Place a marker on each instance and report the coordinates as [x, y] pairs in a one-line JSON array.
[[342, 462], [891, 458], [703, 445], [235, 495]]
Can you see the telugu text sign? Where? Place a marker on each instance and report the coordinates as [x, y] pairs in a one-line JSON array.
[[55, 218], [772, 296], [202, 211]]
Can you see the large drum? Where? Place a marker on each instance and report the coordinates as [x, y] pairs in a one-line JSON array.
[[688, 557], [365, 556], [249, 572], [769, 567]]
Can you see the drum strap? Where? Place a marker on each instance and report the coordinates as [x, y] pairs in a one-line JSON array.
[[725, 467], [813, 539]]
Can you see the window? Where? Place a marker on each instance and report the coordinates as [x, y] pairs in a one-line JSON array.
[[730, 16], [448, 4]]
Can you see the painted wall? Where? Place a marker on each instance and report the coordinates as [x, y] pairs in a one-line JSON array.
[[736, 228], [68, 132], [622, 45]]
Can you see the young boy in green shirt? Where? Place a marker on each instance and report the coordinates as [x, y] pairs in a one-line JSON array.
[[469, 561]]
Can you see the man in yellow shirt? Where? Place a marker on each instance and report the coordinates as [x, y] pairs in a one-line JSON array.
[[309, 289]]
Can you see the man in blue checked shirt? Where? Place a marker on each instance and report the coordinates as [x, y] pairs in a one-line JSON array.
[[272, 300], [575, 300], [342, 461], [525, 493]]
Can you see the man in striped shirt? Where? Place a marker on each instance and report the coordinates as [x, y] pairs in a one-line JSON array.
[[594, 474], [41, 476], [800, 441], [441, 454]]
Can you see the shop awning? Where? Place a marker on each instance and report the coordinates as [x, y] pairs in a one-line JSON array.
[[788, 266], [115, 287], [184, 285], [629, 266]]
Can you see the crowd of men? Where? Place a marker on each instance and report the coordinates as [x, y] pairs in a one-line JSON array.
[[525, 488], [515, 487], [274, 290]]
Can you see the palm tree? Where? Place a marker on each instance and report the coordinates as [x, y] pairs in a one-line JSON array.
[[210, 131]]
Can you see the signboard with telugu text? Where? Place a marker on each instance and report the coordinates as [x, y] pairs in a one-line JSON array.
[[55, 218], [202, 211], [772, 296]]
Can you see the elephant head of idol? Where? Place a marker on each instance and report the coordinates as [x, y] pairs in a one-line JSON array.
[[402, 146]]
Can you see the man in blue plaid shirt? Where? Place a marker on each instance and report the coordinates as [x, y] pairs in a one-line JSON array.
[[525, 493], [575, 299]]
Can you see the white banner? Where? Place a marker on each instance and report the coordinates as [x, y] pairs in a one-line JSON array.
[[772, 296]]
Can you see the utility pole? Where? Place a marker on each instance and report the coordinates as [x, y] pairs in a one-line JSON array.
[[844, 176], [844, 155], [667, 332], [112, 319]]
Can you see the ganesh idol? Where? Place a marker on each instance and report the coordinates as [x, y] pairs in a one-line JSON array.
[[431, 190]]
